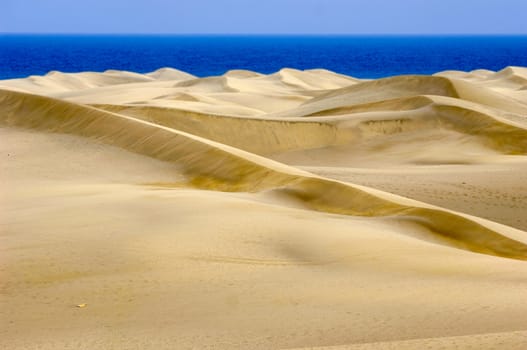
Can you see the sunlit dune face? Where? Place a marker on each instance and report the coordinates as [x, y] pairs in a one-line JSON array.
[[291, 210]]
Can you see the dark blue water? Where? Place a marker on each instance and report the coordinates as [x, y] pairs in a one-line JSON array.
[[362, 56]]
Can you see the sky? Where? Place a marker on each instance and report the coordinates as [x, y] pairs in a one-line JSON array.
[[264, 16]]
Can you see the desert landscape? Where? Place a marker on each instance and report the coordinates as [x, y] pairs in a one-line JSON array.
[[295, 210]]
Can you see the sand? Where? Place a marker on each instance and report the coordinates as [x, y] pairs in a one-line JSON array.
[[296, 210]]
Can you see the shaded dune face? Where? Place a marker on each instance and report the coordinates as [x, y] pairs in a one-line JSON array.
[[225, 152], [215, 193]]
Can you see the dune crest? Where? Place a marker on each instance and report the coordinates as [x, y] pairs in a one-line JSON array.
[[216, 166], [217, 192]]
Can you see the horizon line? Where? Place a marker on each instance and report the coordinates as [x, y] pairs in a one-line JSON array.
[[266, 34]]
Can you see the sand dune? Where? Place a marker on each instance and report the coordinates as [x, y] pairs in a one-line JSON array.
[[293, 210], [55, 81], [514, 78]]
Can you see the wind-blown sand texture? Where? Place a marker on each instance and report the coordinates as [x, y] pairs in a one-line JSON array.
[[301, 209]]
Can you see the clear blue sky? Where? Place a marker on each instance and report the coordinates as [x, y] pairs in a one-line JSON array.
[[265, 16]]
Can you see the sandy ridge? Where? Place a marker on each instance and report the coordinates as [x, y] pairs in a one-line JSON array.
[[216, 166], [295, 210]]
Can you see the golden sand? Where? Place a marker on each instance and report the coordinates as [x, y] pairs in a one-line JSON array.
[[301, 209]]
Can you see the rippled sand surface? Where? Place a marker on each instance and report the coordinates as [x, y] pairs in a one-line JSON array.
[[301, 209]]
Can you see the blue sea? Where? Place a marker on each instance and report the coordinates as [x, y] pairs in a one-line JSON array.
[[206, 55]]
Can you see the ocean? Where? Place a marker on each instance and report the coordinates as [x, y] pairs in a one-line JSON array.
[[207, 55]]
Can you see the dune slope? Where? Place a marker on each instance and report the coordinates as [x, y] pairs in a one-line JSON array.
[[166, 204]]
